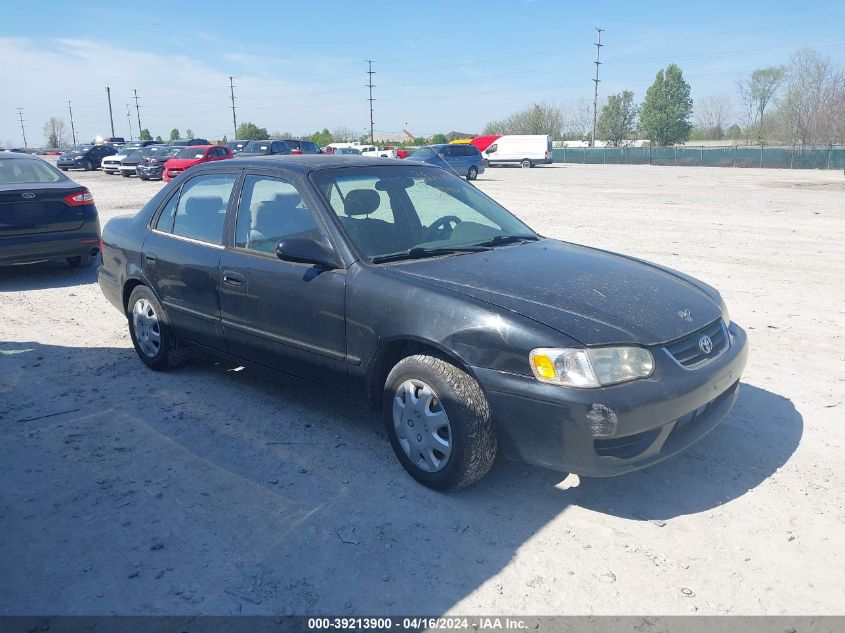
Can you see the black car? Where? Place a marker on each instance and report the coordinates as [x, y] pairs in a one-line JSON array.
[[129, 164], [187, 142], [87, 157], [44, 215], [236, 146], [303, 147], [264, 148], [151, 161], [403, 284]]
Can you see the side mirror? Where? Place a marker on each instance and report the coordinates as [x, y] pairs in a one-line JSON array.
[[307, 251]]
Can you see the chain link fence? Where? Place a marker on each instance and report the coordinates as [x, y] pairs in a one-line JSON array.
[[781, 157]]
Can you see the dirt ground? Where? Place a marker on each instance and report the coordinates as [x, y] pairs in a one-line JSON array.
[[217, 491]]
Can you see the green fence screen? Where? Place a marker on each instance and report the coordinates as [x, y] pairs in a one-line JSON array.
[[798, 157]]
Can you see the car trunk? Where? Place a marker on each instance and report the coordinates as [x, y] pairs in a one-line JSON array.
[[39, 209]]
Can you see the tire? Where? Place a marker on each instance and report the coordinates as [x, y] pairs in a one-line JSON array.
[[125, 175], [89, 165], [168, 352], [143, 177], [472, 174], [81, 261], [63, 168], [469, 434], [525, 164]]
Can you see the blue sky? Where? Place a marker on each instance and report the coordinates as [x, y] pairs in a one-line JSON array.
[[439, 65]]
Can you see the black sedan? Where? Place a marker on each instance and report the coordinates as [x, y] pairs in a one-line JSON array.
[[44, 215], [150, 162], [404, 285], [87, 157], [264, 148], [129, 164]]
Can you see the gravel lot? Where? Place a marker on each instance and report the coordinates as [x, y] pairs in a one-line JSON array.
[[210, 490]]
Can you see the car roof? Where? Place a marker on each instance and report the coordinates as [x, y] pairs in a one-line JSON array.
[[17, 155], [305, 163]]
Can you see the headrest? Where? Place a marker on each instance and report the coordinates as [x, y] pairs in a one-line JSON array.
[[361, 202], [201, 204]]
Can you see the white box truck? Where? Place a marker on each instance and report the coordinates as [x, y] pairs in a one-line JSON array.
[[526, 150]]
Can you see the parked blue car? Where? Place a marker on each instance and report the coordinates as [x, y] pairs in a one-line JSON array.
[[462, 159]]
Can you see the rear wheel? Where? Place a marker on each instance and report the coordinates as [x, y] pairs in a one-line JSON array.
[[472, 174], [525, 163], [152, 335], [89, 165], [439, 423]]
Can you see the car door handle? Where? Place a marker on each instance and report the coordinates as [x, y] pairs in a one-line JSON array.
[[150, 257], [233, 279]]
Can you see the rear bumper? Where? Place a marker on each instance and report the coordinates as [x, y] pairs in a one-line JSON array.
[[110, 287], [29, 249], [566, 429]]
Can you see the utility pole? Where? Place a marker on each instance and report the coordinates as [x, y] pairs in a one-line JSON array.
[[129, 118], [72, 127], [596, 89], [370, 85], [138, 112], [234, 116], [23, 129], [111, 117]]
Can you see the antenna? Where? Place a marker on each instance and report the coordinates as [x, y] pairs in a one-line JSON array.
[[23, 129], [370, 85], [138, 112], [72, 127], [596, 89], [111, 117], [234, 116]]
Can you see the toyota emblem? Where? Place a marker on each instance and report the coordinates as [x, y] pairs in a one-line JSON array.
[[705, 344], [27, 196]]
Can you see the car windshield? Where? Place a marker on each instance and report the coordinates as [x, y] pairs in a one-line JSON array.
[[161, 151], [133, 153], [257, 146], [190, 152], [394, 211], [151, 150], [18, 172], [80, 149], [425, 152]]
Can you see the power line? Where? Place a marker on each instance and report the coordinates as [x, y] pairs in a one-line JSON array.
[[23, 129], [72, 127], [138, 112], [234, 116], [129, 118], [596, 89], [370, 85]]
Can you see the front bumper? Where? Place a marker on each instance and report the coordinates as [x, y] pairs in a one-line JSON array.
[[150, 171], [68, 164], [110, 168], [128, 169], [659, 416]]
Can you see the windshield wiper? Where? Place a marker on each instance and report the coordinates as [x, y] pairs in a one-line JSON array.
[[498, 240], [419, 252]]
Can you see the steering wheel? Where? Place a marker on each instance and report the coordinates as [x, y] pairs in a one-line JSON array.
[[442, 226]]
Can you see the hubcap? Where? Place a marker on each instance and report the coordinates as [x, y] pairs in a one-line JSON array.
[[422, 426], [147, 328]]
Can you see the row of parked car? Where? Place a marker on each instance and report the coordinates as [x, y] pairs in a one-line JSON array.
[[151, 160]]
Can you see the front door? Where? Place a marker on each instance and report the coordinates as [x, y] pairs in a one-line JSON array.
[[182, 255], [283, 315]]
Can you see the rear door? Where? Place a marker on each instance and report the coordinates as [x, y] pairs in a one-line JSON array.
[[181, 255], [35, 198], [283, 315]]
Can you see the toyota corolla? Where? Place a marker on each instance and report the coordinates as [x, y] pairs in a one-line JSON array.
[[406, 286]]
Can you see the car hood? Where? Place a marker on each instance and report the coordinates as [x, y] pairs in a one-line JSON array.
[[184, 163], [595, 297]]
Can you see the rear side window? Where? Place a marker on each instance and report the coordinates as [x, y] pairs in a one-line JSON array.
[[201, 210], [16, 171]]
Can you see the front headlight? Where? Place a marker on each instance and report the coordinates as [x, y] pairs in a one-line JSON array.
[[726, 317], [590, 367]]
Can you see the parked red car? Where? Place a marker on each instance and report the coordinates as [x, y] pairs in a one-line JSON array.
[[194, 155]]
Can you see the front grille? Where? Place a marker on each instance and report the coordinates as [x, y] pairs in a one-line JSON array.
[[687, 350]]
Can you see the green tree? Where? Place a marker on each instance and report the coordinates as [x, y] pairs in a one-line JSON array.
[[159, 139], [364, 139], [321, 138], [174, 134], [667, 107], [618, 118], [439, 138], [225, 139], [758, 91], [145, 135], [189, 133], [248, 131], [734, 132], [420, 141]]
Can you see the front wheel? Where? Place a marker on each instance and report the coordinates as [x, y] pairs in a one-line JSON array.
[[89, 165], [152, 335], [472, 174], [125, 174], [525, 163], [439, 423]]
